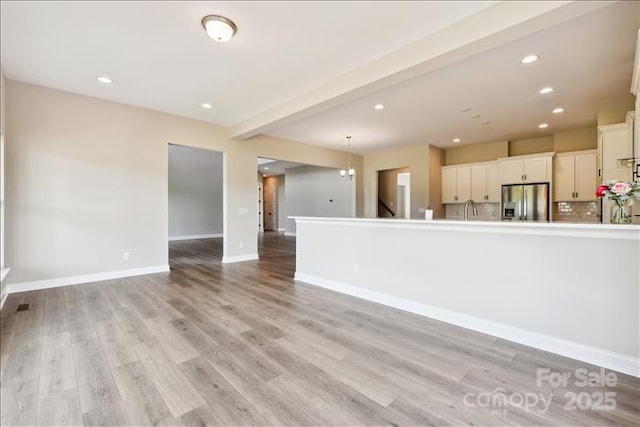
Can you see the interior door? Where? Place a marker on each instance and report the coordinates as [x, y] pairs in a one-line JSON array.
[[270, 207]]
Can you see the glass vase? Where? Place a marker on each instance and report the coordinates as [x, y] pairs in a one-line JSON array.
[[620, 212]]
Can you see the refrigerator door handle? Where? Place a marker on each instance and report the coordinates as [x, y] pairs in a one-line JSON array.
[[524, 201]]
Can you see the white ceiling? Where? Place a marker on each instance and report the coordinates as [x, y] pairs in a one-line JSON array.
[[270, 167], [160, 58], [588, 61]]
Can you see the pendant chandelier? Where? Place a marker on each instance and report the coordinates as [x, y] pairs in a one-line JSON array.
[[349, 171]]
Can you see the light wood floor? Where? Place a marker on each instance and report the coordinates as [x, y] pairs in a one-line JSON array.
[[236, 344]]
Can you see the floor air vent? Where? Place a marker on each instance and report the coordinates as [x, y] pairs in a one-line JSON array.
[[23, 307]]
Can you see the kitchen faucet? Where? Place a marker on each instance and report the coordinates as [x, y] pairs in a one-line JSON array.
[[466, 209]]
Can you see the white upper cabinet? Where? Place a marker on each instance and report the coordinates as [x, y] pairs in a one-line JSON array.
[[456, 184], [586, 176], [575, 176], [563, 183], [449, 192], [485, 183], [526, 169], [615, 144], [494, 185]]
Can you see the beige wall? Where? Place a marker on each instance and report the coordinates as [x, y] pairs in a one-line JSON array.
[[87, 180], [576, 140], [476, 152], [585, 138], [436, 160], [521, 147], [616, 113], [416, 158]]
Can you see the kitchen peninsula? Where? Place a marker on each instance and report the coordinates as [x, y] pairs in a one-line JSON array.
[[571, 289]]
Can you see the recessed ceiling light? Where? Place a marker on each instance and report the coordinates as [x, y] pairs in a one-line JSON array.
[[105, 80], [543, 125], [456, 139], [486, 122], [378, 107], [558, 110], [266, 168], [464, 110], [529, 59], [207, 106], [475, 116], [545, 90], [219, 28]]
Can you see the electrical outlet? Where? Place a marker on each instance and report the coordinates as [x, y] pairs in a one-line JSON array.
[[241, 245], [126, 256], [356, 268]]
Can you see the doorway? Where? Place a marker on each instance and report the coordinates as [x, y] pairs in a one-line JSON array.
[[195, 205], [270, 204], [394, 193], [404, 195]]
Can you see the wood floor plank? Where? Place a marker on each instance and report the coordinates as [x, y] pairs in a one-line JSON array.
[[142, 402], [96, 388], [19, 402], [177, 392], [55, 313], [57, 365], [368, 383], [23, 359], [62, 409], [227, 406], [176, 347], [118, 347]]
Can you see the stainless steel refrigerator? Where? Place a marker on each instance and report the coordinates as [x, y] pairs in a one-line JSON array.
[[525, 202]]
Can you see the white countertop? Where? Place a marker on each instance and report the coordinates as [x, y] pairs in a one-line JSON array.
[[626, 231]]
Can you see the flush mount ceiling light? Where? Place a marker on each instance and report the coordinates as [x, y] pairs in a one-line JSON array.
[[349, 171], [529, 59], [105, 80], [207, 106], [558, 110], [456, 140], [543, 125], [379, 107], [546, 90], [219, 28]]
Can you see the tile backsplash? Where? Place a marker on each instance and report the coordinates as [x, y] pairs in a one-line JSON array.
[[486, 211], [576, 211]]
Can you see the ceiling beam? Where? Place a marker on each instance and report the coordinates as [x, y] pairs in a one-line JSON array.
[[497, 25]]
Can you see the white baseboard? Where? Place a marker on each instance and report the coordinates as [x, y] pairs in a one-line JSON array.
[[4, 294], [594, 355], [3, 298], [13, 288], [288, 233], [239, 258], [195, 236]]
